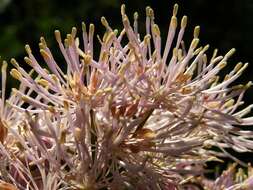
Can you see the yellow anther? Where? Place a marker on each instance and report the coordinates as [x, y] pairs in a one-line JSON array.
[[25, 98], [156, 30], [104, 22], [196, 52], [213, 104], [248, 85], [196, 31], [16, 74], [173, 22], [115, 32], [136, 16], [84, 29], [238, 66], [229, 103], [194, 43], [230, 53], [147, 39], [91, 29], [222, 64], [14, 62], [43, 82], [108, 89], [57, 34], [44, 54], [180, 54], [14, 90], [54, 77], [99, 92], [151, 12], [175, 9], [206, 47], [214, 54], [4, 66], [147, 11], [175, 52], [28, 49], [123, 9], [145, 134], [28, 61], [226, 77], [237, 87], [243, 68], [184, 22]]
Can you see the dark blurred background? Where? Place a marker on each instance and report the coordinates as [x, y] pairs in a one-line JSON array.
[[224, 24]]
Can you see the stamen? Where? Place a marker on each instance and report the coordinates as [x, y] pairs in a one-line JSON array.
[[196, 32], [175, 9]]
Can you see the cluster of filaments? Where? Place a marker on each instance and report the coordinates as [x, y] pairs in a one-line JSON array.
[[139, 116]]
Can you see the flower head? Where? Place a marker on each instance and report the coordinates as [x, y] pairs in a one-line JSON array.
[[139, 116]]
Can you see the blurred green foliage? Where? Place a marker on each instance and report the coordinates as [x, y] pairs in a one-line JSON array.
[[3, 4]]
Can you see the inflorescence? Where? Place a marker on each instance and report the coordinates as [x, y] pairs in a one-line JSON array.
[[139, 116]]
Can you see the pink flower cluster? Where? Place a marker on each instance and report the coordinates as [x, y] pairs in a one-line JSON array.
[[140, 116]]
